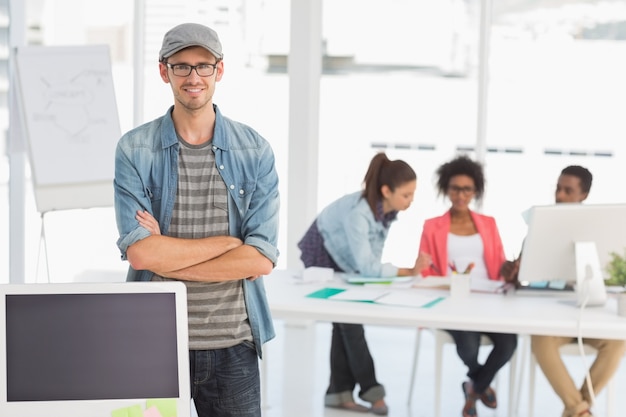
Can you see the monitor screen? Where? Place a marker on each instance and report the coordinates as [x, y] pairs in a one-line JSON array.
[[549, 250], [94, 349]]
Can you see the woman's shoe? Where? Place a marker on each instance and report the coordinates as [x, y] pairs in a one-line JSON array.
[[352, 406], [380, 410], [383, 410], [489, 398], [469, 409]]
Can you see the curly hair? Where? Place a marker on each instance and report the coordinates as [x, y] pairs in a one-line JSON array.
[[461, 165], [383, 171]]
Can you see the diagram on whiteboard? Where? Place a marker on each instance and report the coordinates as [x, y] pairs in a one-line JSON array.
[[70, 113], [68, 104]]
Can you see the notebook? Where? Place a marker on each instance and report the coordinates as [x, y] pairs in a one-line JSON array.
[[359, 279]]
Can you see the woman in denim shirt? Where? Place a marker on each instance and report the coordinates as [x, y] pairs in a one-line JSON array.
[[348, 236]]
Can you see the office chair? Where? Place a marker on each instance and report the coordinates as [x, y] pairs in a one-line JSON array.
[[441, 339]]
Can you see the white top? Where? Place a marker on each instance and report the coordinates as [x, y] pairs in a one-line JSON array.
[[465, 249]]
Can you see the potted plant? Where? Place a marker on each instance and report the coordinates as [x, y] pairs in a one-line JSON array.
[[616, 268]]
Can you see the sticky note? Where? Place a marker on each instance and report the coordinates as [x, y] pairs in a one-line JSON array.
[[166, 406], [132, 411], [152, 412]]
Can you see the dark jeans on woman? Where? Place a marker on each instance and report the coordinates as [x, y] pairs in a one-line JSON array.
[[351, 363], [467, 345], [226, 382], [350, 360]]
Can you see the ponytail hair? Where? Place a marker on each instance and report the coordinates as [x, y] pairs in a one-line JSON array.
[[383, 171]]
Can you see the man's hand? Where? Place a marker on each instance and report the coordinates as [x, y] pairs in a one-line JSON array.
[[509, 271], [147, 221]]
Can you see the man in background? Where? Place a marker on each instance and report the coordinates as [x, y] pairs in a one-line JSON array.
[[573, 186]]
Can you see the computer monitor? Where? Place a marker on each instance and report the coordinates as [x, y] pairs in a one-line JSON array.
[[94, 349], [572, 242]]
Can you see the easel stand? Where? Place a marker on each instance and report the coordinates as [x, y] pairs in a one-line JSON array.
[[42, 242]]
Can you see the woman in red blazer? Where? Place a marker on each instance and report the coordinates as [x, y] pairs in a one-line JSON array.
[[456, 239]]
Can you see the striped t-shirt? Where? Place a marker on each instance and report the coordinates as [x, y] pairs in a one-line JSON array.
[[216, 310]]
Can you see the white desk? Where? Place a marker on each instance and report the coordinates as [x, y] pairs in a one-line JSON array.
[[479, 312]]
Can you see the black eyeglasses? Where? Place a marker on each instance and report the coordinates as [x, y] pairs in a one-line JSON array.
[[465, 190], [184, 70]]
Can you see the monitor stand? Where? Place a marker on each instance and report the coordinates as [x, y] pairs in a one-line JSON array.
[[590, 289]]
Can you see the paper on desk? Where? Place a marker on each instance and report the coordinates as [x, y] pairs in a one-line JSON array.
[[360, 279], [433, 282], [325, 293], [363, 294], [476, 285], [377, 296], [409, 299]]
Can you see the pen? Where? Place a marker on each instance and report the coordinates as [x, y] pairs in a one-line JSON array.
[[506, 288], [434, 267], [469, 268], [452, 266]]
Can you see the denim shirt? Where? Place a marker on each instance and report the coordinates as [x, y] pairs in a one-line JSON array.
[[353, 236], [146, 178]]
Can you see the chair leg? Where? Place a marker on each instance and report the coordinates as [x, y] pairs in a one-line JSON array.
[[610, 403], [439, 346], [441, 339], [416, 351], [532, 368], [512, 385], [524, 342]]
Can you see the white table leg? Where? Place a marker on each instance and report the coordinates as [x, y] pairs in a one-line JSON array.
[[299, 368]]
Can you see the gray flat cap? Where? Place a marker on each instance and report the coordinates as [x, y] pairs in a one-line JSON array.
[[190, 34]]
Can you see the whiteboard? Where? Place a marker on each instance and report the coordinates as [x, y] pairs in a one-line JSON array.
[[71, 123]]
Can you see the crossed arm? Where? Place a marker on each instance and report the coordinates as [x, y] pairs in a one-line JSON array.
[[211, 259]]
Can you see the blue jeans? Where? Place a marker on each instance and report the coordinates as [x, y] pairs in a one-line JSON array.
[[467, 346], [225, 382]]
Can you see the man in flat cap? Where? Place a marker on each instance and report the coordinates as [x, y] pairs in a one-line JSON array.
[[196, 200]]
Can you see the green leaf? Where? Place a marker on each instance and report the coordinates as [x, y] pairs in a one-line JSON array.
[[616, 268]]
